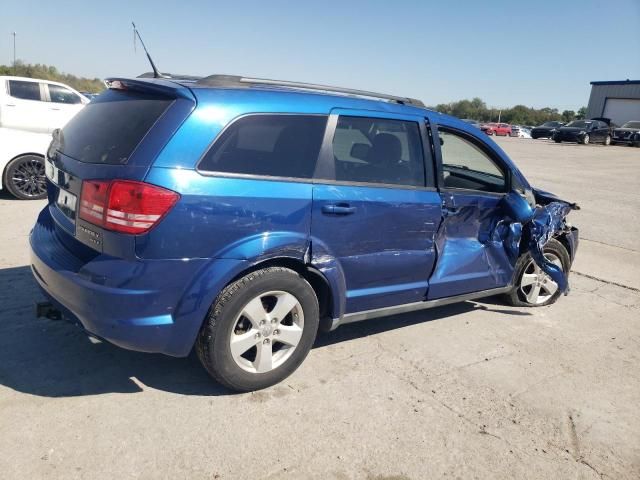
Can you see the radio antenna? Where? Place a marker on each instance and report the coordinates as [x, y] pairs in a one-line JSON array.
[[156, 73]]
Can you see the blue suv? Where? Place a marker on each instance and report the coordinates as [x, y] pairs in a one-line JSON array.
[[239, 216]]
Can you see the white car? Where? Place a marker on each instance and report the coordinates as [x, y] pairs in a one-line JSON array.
[[30, 110], [520, 132], [35, 105]]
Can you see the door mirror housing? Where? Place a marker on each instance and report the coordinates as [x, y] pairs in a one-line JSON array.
[[518, 207]]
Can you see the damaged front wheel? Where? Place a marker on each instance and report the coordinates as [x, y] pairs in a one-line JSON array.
[[533, 287]]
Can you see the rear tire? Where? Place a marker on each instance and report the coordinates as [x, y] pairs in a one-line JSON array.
[[25, 179], [259, 330], [523, 293]]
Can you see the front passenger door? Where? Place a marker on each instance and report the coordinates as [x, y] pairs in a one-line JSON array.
[[63, 105], [473, 183]]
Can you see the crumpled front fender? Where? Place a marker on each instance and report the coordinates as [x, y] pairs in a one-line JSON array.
[[538, 225]]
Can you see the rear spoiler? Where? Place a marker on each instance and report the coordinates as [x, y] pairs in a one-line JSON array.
[[164, 87]]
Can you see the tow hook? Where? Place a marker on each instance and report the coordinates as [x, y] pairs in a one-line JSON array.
[[47, 310]]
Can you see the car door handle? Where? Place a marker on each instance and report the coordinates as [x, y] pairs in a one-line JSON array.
[[53, 108], [10, 105], [338, 209]]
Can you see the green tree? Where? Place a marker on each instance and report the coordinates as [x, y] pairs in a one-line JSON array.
[[477, 109], [568, 115], [582, 113], [48, 72]]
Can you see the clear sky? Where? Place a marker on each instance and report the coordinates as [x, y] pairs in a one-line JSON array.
[[535, 52]]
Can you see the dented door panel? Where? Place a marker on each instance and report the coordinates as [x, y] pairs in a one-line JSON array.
[[470, 245]]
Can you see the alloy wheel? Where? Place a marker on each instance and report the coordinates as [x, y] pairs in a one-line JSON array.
[[267, 331], [536, 286], [28, 177]]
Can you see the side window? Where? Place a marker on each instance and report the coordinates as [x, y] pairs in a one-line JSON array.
[[59, 94], [270, 145], [24, 90], [377, 150], [466, 166]]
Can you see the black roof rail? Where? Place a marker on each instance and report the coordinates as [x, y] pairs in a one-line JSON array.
[[238, 81]]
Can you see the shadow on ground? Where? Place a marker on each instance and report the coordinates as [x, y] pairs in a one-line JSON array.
[[56, 359]]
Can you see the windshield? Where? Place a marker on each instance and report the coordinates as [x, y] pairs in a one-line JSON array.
[[579, 124], [550, 124], [631, 125]]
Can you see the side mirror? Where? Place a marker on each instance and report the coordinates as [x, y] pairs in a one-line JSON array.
[[518, 207]]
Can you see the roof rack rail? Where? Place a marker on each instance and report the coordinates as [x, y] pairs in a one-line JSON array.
[[171, 76], [238, 81]]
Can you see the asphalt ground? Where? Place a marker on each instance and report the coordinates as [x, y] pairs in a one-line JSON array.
[[474, 390]]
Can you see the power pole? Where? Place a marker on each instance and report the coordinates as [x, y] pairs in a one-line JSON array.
[[14, 52]]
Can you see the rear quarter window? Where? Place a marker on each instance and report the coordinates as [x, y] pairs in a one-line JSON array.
[[268, 145], [110, 128]]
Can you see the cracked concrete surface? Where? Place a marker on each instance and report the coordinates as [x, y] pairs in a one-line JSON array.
[[475, 390]]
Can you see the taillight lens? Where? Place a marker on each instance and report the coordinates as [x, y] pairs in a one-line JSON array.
[[123, 205]]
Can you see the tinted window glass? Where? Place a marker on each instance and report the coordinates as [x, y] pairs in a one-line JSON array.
[[24, 90], [376, 150], [467, 166], [271, 145], [109, 128], [60, 94]]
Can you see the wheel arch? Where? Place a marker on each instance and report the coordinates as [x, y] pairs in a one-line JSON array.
[[316, 279]]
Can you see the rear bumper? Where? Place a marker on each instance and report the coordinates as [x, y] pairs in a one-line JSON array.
[[143, 305]]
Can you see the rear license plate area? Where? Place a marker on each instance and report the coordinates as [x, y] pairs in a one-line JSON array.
[[67, 204], [66, 201]]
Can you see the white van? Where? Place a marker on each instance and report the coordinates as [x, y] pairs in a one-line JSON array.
[[30, 110]]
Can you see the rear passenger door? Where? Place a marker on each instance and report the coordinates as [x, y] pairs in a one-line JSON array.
[[375, 209], [24, 107]]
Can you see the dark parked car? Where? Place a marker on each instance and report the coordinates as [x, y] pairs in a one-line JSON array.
[[238, 216], [546, 130], [628, 133], [584, 132]]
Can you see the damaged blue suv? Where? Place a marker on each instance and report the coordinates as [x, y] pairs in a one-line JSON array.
[[239, 216]]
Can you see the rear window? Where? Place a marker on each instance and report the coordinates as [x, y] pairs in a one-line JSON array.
[[110, 128], [268, 145]]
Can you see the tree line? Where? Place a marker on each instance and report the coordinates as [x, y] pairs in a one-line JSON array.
[[518, 115], [474, 108], [46, 72]]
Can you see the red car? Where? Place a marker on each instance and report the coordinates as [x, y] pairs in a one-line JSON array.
[[502, 129]]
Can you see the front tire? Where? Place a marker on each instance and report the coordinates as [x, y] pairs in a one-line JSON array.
[[607, 140], [534, 288], [259, 330], [25, 179], [584, 140]]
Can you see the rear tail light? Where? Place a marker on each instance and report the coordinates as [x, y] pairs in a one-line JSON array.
[[123, 205]]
